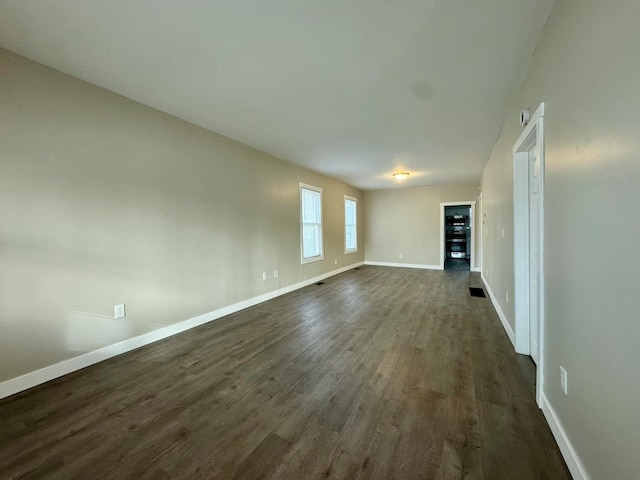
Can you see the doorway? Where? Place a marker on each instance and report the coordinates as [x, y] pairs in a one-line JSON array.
[[457, 235], [528, 188]]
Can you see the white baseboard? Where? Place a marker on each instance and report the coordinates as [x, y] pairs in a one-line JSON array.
[[570, 457], [411, 265], [403, 265], [37, 377], [503, 318]]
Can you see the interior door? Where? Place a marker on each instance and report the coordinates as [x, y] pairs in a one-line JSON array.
[[534, 251]]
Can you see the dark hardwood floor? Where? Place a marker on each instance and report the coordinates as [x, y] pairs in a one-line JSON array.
[[380, 373]]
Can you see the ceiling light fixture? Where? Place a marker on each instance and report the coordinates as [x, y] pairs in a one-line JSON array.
[[401, 175]]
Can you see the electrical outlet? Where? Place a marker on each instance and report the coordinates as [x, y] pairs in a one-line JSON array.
[[264, 275], [563, 380], [335, 261], [400, 256], [119, 311], [275, 273]]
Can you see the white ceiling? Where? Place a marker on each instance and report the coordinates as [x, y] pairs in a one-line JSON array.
[[354, 89]]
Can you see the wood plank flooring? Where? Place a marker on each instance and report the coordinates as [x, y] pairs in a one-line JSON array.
[[380, 373]]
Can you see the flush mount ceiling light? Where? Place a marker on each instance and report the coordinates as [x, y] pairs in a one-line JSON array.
[[401, 175]]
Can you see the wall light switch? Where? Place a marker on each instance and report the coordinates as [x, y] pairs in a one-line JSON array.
[[400, 256], [335, 261], [503, 233], [275, 273], [119, 311], [264, 275]]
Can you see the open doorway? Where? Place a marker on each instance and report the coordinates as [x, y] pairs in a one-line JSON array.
[[457, 236]]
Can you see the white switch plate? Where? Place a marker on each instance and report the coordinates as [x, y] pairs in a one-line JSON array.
[[119, 311], [507, 295], [275, 273], [503, 233], [563, 380], [400, 256], [335, 261], [264, 275]]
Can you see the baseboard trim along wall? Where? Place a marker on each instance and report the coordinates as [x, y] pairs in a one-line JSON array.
[[411, 265], [503, 318], [403, 265], [43, 375], [570, 457]]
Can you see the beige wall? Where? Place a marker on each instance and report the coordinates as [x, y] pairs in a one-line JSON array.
[[586, 69], [407, 222], [106, 201]]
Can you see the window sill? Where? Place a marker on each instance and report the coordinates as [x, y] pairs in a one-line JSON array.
[[312, 259]]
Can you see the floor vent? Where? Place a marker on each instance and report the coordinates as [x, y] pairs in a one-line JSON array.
[[357, 268], [477, 292], [320, 283]]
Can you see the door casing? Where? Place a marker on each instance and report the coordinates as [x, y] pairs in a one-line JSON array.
[[472, 221], [532, 136], [479, 233]]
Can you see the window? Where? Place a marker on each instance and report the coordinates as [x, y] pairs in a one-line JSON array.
[[310, 223], [350, 219]]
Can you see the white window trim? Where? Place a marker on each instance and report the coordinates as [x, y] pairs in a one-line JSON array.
[[350, 250], [320, 257]]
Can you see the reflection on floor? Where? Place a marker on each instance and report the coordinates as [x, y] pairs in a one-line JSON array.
[[456, 264]]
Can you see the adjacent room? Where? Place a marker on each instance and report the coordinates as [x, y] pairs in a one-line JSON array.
[[333, 240]]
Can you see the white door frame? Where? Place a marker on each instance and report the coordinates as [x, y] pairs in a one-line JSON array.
[[533, 134], [480, 224], [472, 221]]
